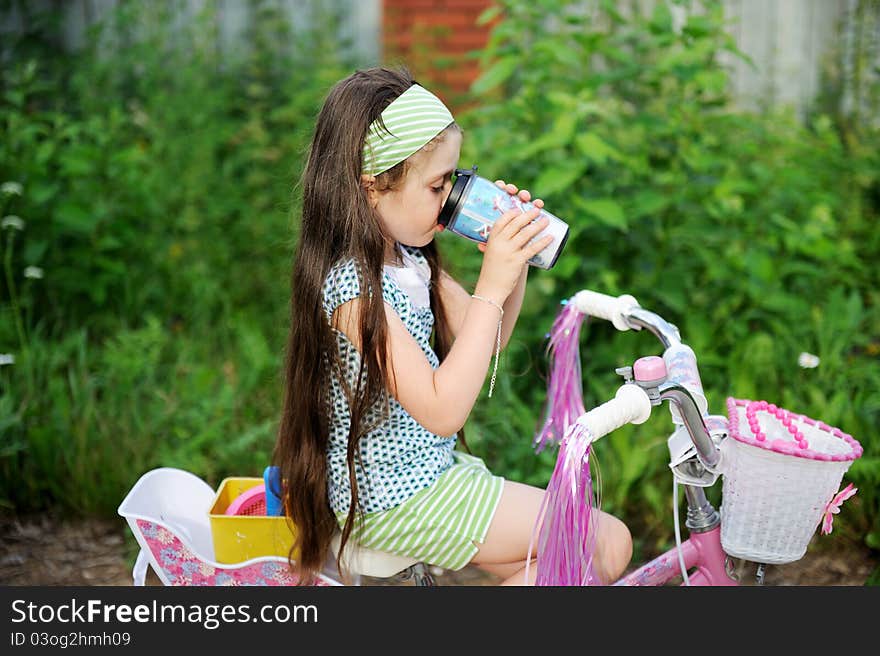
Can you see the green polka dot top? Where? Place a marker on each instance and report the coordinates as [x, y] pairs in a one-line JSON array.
[[400, 456]]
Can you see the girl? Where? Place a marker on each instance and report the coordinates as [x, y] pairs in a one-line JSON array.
[[373, 405]]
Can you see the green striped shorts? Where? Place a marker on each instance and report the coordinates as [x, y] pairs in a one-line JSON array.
[[440, 524]]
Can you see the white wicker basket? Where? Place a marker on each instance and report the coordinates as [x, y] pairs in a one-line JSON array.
[[780, 472]]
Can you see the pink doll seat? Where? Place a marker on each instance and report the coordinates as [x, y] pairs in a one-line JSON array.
[[167, 511]]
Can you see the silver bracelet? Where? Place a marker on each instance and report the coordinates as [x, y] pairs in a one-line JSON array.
[[497, 341]]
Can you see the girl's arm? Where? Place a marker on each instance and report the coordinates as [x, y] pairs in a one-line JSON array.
[[441, 399], [456, 299]]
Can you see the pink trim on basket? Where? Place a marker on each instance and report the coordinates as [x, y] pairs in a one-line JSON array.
[[833, 507], [798, 448]]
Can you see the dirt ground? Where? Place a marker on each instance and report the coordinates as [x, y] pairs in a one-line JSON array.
[[38, 551]]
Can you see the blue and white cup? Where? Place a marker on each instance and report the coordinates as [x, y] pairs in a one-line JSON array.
[[475, 203]]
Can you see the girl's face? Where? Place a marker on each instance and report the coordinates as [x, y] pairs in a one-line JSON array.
[[409, 213]]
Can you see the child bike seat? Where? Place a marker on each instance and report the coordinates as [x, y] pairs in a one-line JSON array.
[[369, 562]]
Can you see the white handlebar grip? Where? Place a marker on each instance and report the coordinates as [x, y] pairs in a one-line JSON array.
[[605, 307], [630, 405]]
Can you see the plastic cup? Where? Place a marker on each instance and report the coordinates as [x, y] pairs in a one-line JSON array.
[[475, 203]]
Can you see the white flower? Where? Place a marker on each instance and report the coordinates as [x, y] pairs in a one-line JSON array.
[[11, 188], [6, 358], [12, 221], [33, 272], [138, 115], [808, 361]]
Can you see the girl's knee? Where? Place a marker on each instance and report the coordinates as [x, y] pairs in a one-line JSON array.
[[625, 548], [619, 547]]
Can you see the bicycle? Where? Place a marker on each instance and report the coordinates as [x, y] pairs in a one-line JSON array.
[[168, 509], [805, 460]]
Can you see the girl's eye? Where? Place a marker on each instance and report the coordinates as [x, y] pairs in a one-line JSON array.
[[436, 190]]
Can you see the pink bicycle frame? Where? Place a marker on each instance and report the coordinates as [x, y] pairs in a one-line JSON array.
[[701, 551]]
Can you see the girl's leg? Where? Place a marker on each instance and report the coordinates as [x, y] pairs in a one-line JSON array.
[[506, 546]]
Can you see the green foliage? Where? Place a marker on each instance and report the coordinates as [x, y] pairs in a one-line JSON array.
[[145, 283], [154, 186], [755, 234]]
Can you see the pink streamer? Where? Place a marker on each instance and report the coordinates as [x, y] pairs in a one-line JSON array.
[[567, 538], [565, 397]]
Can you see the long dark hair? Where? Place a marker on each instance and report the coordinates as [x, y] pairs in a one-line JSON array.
[[338, 223]]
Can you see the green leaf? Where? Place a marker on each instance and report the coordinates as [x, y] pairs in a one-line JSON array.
[[712, 81], [649, 203], [34, 250], [40, 192], [661, 18], [596, 148], [79, 160], [488, 15], [610, 6], [698, 26], [14, 97], [559, 135], [75, 218], [559, 177], [496, 75], [44, 152], [109, 243], [762, 265], [608, 211], [866, 471], [565, 267]]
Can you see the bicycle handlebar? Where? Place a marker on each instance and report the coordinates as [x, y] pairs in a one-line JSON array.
[[626, 314], [687, 404], [630, 405], [610, 308]]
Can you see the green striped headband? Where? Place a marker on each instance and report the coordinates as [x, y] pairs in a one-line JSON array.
[[411, 120]]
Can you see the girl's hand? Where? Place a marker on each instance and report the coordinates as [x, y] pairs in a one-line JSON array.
[[524, 196], [508, 247]]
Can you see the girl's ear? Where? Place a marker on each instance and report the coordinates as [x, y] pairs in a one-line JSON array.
[[368, 182]]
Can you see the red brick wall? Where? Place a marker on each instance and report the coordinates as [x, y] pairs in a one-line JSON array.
[[433, 38]]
